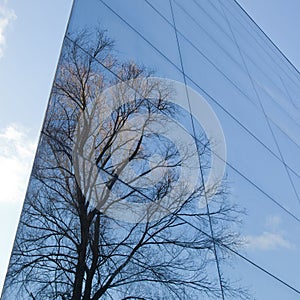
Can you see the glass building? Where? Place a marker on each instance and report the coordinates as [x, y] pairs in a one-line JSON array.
[[168, 164]]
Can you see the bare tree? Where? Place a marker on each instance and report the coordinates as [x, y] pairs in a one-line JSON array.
[[69, 244]]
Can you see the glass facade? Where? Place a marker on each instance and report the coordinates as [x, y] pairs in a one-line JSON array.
[[168, 164]]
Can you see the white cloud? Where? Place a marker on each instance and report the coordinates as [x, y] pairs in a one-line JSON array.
[[17, 150], [273, 222], [7, 15], [267, 241]]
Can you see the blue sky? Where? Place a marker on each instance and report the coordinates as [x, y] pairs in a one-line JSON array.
[[31, 34], [280, 21]]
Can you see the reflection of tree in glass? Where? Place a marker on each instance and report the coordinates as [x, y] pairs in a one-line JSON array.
[[68, 249]]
